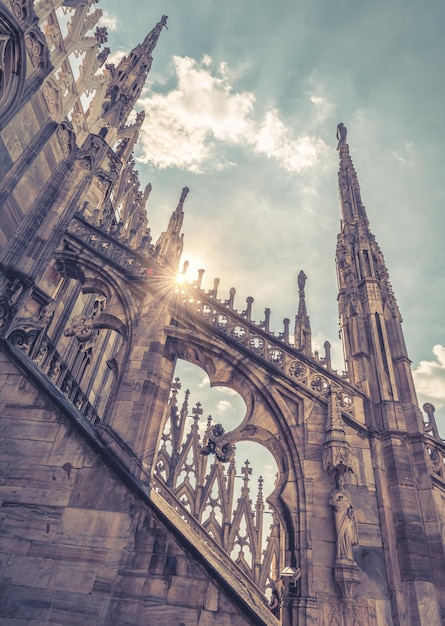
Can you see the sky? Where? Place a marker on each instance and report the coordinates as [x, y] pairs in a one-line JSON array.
[[242, 105]]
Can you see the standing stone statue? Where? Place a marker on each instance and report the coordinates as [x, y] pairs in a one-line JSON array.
[[345, 522], [341, 135]]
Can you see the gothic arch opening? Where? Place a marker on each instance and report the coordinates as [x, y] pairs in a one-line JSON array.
[[228, 499]]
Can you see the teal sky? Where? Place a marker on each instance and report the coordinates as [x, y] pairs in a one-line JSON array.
[[242, 107]]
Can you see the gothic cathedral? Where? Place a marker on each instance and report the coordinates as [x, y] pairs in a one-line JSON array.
[[117, 500]]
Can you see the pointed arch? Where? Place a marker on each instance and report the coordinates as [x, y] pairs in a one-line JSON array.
[[272, 407]]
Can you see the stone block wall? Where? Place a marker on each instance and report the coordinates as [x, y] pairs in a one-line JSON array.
[[77, 546]]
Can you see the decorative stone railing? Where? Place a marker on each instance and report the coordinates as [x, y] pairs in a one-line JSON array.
[[42, 352], [212, 546], [276, 350], [110, 246]]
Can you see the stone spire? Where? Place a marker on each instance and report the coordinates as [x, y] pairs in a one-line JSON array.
[[351, 202], [170, 243], [370, 321], [128, 79], [302, 333]]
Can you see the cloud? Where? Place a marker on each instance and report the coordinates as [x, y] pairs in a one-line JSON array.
[[223, 406], [429, 378], [191, 125], [273, 139], [405, 156], [109, 21], [324, 108], [115, 57]]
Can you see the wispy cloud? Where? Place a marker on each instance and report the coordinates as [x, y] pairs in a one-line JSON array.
[[109, 21], [405, 156], [116, 57], [429, 377], [324, 108], [189, 126]]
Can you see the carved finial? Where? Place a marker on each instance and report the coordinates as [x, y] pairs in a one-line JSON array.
[[266, 323], [197, 411], [177, 383], [231, 298], [285, 334], [327, 355], [246, 471], [185, 404], [176, 386], [198, 282], [248, 312], [260, 500], [214, 292]]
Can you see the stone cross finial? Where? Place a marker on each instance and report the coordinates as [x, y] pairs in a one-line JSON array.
[[246, 471]]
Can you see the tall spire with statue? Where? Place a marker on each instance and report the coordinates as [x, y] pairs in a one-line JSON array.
[[378, 364], [370, 321]]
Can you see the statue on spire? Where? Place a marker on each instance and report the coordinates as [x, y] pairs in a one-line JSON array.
[[342, 132], [301, 280]]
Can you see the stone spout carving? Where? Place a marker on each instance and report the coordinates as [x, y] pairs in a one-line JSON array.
[[219, 444]]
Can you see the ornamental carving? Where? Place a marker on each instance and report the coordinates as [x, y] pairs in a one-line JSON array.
[[219, 444], [82, 328], [23, 11], [238, 331], [36, 49], [65, 137], [276, 356], [85, 163], [23, 340], [298, 370], [41, 353], [345, 401], [50, 95], [320, 384]]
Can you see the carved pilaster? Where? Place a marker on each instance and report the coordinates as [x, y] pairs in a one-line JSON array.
[[336, 450]]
